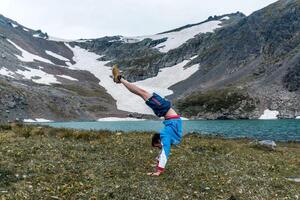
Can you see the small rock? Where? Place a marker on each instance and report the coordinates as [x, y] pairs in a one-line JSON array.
[[270, 144], [118, 133], [294, 179]]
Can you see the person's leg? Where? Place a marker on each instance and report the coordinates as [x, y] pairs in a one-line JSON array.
[[136, 90]]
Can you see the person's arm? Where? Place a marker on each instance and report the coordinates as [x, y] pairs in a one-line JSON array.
[[155, 161], [163, 157]]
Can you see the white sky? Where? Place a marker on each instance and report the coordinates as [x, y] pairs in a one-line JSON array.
[[74, 19]]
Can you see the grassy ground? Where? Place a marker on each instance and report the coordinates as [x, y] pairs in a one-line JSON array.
[[47, 163]]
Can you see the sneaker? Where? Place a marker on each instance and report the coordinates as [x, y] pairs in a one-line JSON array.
[[116, 74]]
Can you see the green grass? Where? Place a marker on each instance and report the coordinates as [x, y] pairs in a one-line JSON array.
[[47, 163]]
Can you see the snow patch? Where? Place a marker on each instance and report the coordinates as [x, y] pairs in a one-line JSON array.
[[38, 35], [29, 120], [38, 76], [5, 72], [177, 38], [36, 120], [14, 25], [269, 114], [55, 55], [167, 77], [28, 57], [55, 39], [68, 77], [114, 119], [184, 118], [225, 18], [126, 101], [25, 29], [298, 117]]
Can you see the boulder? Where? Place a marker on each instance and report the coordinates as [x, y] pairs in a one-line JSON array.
[[269, 144]]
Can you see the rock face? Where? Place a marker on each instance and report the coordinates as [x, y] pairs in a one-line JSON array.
[[259, 54], [246, 65]]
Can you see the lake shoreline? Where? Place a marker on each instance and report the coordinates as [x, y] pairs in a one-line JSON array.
[[199, 134], [277, 130]]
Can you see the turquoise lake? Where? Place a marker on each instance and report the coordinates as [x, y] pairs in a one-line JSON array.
[[278, 130]]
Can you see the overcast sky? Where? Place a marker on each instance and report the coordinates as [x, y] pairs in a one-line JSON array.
[[74, 19]]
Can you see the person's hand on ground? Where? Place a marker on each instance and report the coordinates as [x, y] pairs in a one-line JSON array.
[[154, 173]]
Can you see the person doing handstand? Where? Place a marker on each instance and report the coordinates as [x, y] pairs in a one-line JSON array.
[[171, 134]]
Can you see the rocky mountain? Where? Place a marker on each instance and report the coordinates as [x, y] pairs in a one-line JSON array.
[[36, 82], [259, 56], [227, 67]]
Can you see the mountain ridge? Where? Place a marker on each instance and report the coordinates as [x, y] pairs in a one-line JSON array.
[[252, 58]]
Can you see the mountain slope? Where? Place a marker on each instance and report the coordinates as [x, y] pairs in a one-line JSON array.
[[260, 54], [227, 67], [75, 82], [37, 82]]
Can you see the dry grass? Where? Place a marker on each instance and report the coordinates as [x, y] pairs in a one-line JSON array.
[[47, 163]]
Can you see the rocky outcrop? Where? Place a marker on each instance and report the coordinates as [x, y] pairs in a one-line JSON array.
[[227, 103]]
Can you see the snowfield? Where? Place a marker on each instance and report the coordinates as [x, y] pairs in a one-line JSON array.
[[269, 114], [28, 57], [5, 72], [126, 101], [177, 38], [167, 77], [67, 77], [38, 76], [36, 120], [55, 55]]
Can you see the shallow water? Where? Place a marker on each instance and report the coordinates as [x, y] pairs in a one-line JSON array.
[[279, 130]]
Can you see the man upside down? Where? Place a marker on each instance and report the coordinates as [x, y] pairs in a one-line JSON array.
[[171, 134]]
